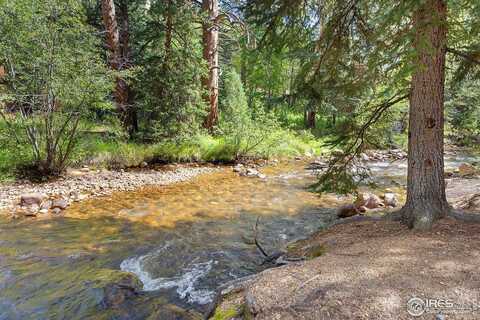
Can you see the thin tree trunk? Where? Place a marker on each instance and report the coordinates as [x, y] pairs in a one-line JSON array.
[[210, 54], [310, 119], [118, 60], [131, 120], [426, 200]]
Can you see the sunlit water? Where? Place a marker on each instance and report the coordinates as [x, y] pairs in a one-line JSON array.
[[180, 241]]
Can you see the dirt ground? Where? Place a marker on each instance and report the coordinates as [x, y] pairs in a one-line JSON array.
[[370, 270]]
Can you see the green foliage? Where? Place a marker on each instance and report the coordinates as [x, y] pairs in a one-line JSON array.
[[168, 81], [54, 74], [245, 130], [463, 108]]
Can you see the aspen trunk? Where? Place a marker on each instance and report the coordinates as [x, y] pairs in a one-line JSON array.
[[426, 200]]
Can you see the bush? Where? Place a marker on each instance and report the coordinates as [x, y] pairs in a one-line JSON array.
[[54, 76]]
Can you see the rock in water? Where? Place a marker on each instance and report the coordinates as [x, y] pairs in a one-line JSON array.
[[61, 204], [466, 169], [238, 168], [117, 293], [390, 199], [31, 198], [252, 172], [347, 210]]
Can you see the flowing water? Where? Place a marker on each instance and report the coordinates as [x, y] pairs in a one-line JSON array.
[[180, 241]]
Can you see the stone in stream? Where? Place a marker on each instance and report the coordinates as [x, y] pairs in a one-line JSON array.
[[390, 199], [238, 167], [61, 204], [31, 198], [116, 293]]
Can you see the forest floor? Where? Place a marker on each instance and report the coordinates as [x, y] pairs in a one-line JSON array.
[[370, 270]]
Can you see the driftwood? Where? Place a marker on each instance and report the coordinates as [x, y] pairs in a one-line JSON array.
[[278, 257]]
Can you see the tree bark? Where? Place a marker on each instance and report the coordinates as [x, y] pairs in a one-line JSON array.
[[310, 119], [426, 200], [210, 54], [168, 33], [119, 59]]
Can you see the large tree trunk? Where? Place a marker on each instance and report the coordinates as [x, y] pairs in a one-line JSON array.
[[119, 59], [426, 200], [210, 54]]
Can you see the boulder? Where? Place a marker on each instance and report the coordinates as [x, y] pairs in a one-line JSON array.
[[238, 168], [390, 199], [116, 293], [466, 169], [56, 210], [368, 200], [252, 172], [143, 164], [28, 199], [61, 204], [347, 210], [362, 209]]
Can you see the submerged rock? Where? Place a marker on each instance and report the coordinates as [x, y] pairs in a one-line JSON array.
[[125, 287]]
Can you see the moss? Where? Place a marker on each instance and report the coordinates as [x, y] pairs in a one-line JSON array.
[[316, 251], [227, 314]]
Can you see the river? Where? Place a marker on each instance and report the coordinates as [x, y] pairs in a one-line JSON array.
[[181, 241]]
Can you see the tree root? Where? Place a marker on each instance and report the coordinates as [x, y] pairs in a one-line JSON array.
[[464, 216]]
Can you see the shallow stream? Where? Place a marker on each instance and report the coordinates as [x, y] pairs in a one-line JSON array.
[[181, 242]]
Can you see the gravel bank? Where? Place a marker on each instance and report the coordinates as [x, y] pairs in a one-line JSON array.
[[84, 183]]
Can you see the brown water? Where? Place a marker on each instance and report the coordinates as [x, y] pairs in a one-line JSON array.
[[181, 242]]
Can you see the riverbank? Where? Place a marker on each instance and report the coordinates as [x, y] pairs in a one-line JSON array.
[[367, 270], [84, 183]]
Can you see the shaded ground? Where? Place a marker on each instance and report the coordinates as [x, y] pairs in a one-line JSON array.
[[369, 270]]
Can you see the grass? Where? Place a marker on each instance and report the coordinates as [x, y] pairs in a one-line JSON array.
[[201, 148], [99, 150]]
